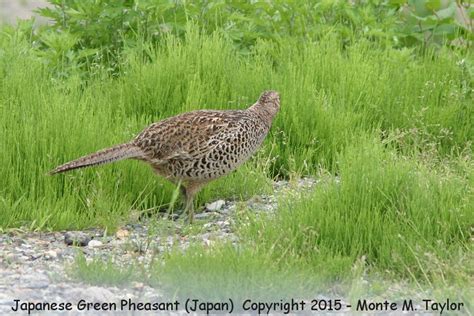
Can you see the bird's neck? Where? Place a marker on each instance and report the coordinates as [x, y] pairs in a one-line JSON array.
[[263, 112]]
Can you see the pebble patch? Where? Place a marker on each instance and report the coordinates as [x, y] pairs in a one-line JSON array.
[[33, 264]]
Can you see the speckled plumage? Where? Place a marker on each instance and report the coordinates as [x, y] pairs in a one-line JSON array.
[[196, 147]]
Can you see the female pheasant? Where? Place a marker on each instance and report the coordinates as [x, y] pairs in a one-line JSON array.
[[196, 147]]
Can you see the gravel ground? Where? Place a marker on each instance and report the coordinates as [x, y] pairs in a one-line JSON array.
[[33, 264]]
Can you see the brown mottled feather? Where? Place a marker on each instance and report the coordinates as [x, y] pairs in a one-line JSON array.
[[107, 155]]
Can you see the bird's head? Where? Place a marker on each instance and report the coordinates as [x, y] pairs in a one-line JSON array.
[[270, 101]]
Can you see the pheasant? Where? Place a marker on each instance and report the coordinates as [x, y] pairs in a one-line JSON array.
[[194, 148]]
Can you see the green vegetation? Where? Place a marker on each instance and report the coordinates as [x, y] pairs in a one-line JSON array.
[[94, 32], [386, 125]]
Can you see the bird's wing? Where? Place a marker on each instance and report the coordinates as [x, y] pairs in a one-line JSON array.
[[189, 135]]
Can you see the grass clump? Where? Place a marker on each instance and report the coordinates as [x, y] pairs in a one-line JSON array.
[[394, 211], [99, 272], [224, 271]]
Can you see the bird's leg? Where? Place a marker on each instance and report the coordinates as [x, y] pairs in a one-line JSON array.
[[189, 208], [189, 192], [182, 189]]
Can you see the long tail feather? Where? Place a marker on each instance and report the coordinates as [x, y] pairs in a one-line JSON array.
[[103, 156]]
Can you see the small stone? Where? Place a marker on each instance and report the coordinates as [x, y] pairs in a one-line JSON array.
[[76, 239], [40, 284], [50, 254], [19, 242], [137, 285], [34, 281], [22, 258], [35, 256], [208, 242], [201, 215], [93, 293], [94, 243], [122, 233], [173, 217], [215, 206]]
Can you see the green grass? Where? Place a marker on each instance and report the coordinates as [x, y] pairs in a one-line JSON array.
[[388, 131], [103, 273], [394, 211], [330, 97]]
